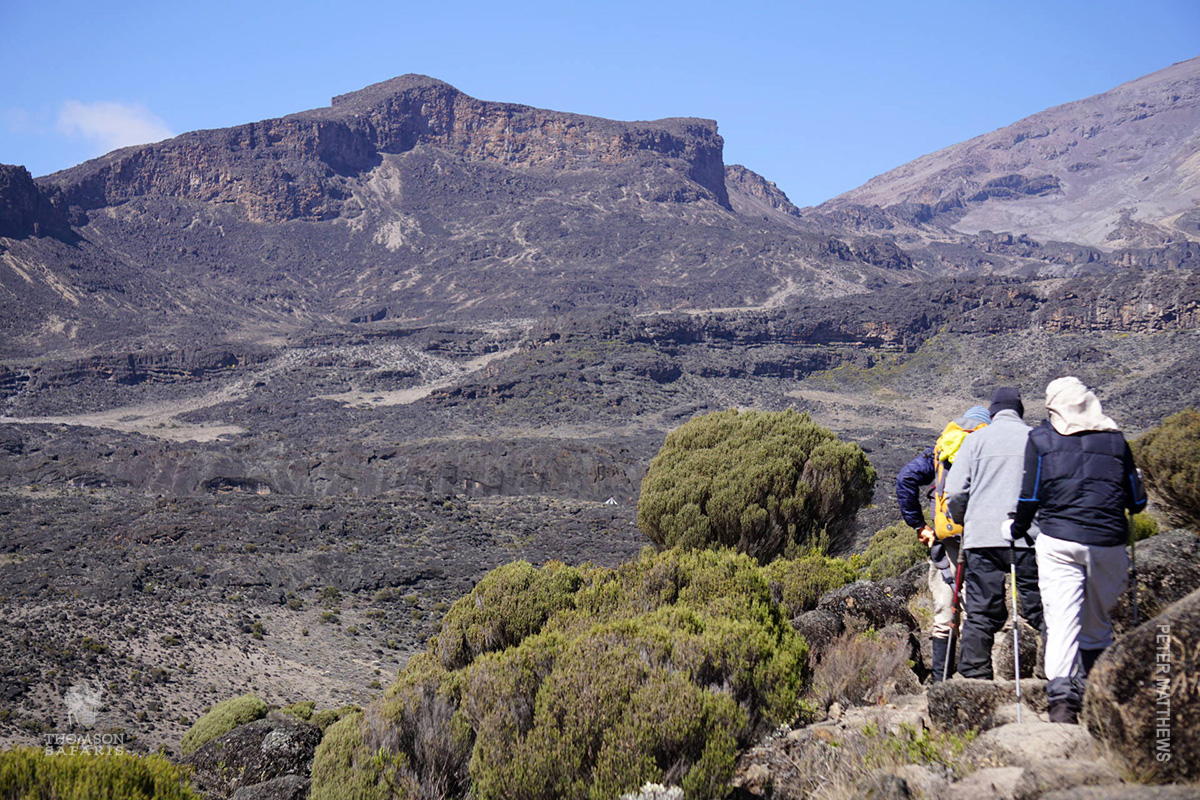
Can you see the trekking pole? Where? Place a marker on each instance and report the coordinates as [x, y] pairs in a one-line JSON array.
[[954, 618], [1012, 550], [1133, 569]]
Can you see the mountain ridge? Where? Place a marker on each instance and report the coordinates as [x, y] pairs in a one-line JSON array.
[[347, 138], [1088, 171]]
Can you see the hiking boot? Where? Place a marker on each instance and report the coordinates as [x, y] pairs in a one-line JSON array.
[[1062, 711]]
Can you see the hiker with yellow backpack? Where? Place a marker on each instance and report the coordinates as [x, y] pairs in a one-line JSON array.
[[982, 492], [931, 468]]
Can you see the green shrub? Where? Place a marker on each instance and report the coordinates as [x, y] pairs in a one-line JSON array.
[[802, 581], [765, 483], [598, 681], [342, 769], [514, 602], [222, 718], [1144, 527], [1169, 456], [327, 716], [891, 551], [27, 772], [302, 710]]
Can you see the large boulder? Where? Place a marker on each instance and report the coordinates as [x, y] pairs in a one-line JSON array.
[[288, 787], [1168, 569], [863, 604], [1142, 697], [1020, 744], [1002, 651], [995, 783], [1054, 774], [963, 704], [1124, 792], [256, 753], [819, 628], [908, 583]]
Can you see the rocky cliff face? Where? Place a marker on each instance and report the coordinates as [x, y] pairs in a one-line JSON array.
[[24, 209], [407, 202], [301, 166], [1117, 170], [752, 194]]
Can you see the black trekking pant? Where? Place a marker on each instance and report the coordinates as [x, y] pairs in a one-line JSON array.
[[986, 603]]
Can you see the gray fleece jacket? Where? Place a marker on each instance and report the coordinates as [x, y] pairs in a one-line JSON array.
[[985, 481]]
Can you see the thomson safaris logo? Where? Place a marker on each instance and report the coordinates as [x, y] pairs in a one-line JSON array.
[[83, 701]]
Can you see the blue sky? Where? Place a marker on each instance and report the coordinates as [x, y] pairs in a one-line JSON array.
[[816, 96]]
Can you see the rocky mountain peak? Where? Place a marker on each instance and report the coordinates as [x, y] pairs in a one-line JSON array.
[[301, 166], [373, 94], [1120, 169]]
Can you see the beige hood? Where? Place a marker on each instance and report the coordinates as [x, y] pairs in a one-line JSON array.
[[1074, 408]]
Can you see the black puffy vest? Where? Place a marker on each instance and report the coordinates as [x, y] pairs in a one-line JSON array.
[[1086, 482]]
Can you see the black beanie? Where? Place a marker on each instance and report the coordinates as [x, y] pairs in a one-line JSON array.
[[1007, 398]]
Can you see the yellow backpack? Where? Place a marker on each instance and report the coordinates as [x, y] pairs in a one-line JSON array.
[[943, 457]]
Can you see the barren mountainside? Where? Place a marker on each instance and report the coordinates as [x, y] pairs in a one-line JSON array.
[[407, 200], [1121, 169]]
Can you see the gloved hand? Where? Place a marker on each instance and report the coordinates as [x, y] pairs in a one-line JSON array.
[[1006, 533], [925, 536]]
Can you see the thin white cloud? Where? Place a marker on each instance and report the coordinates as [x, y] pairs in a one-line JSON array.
[[111, 125], [18, 120]]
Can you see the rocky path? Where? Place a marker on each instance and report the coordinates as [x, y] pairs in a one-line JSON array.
[[889, 737]]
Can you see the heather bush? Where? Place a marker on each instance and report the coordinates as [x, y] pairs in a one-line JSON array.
[[1169, 456], [513, 603], [764, 483], [861, 668], [301, 710], [1143, 527], [28, 772], [801, 582], [890, 552], [222, 718], [598, 682], [327, 716]]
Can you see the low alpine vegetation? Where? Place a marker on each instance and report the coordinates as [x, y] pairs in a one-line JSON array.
[[1169, 456], [581, 682], [890, 552], [763, 482], [28, 772], [222, 718]]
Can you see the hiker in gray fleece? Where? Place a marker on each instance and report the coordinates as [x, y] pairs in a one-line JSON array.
[[982, 490]]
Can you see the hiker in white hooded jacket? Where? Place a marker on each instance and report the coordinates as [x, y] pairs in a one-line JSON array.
[[982, 491], [1079, 480]]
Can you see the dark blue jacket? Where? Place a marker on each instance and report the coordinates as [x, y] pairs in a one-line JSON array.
[[916, 474], [1079, 486]]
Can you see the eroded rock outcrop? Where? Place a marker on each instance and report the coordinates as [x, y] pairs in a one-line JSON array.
[[296, 167], [1143, 699]]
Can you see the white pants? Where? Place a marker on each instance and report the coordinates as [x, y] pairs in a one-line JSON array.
[[1080, 585], [943, 593]]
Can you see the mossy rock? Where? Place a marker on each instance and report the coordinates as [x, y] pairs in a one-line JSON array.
[[222, 718], [597, 682]]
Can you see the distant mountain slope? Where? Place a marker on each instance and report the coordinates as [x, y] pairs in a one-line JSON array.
[[407, 201], [1121, 169]]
